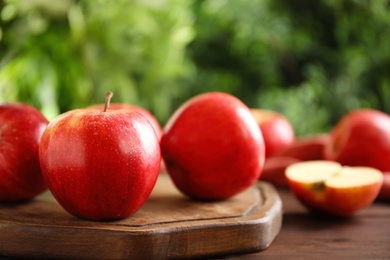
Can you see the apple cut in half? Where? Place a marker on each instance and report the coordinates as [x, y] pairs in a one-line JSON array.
[[328, 187]]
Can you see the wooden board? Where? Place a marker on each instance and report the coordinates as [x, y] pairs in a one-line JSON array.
[[168, 226]]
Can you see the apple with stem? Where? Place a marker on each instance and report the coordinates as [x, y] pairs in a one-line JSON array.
[[330, 188], [361, 138], [213, 147], [151, 118], [278, 133], [21, 127], [384, 193], [119, 106], [100, 164]]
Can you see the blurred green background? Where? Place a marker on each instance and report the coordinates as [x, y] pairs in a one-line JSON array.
[[313, 61]]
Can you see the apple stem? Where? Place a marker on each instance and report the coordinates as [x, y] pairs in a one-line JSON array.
[[109, 95]]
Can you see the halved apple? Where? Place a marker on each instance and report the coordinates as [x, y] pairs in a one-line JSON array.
[[328, 187]]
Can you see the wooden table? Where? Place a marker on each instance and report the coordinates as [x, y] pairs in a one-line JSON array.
[[304, 236]]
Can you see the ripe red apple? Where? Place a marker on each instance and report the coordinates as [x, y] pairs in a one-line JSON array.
[[307, 148], [361, 138], [213, 147], [328, 187], [100, 165], [151, 118], [274, 170], [21, 127], [278, 133]]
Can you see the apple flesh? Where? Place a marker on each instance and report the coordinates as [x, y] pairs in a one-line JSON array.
[[100, 165], [21, 127], [278, 133], [361, 138], [328, 187], [307, 148], [213, 147]]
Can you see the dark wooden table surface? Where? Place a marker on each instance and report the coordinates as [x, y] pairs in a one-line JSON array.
[[305, 236]]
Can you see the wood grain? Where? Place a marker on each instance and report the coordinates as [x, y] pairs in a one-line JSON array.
[[168, 226]]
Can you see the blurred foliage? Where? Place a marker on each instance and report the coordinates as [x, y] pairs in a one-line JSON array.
[[311, 60], [60, 55]]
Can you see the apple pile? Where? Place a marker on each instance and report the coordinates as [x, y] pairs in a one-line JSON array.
[[283, 147], [100, 164], [360, 138], [328, 187]]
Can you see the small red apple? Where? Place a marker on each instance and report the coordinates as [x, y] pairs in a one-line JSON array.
[[274, 170], [21, 127], [151, 118], [100, 165], [278, 133], [327, 187], [213, 147], [361, 138], [307, 148]]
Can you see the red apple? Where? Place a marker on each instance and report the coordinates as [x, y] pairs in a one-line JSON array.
[[100, 165], [307, 148], [278, 133], [274, 170], [21, 127], [151, 118], [213, 147], [328, 187], [361, 138]]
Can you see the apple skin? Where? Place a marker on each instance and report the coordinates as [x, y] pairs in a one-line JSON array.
[[307, 148], [213, 147], [278, 133], [100, 165], [361, 138], [274, 169], [21, 127], [384, 193], [152, 119], [118, 106]]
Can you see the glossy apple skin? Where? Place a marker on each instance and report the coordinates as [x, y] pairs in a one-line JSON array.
[[119, 106], [307, 148], [278, 133], [342, 202], [361, 138], [213, 147], [21, 127], [100, 165]]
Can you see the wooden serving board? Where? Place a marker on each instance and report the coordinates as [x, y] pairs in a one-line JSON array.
[[168, 226]]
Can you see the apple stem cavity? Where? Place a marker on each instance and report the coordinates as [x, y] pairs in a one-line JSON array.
[[319, 186], [109, 95]]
